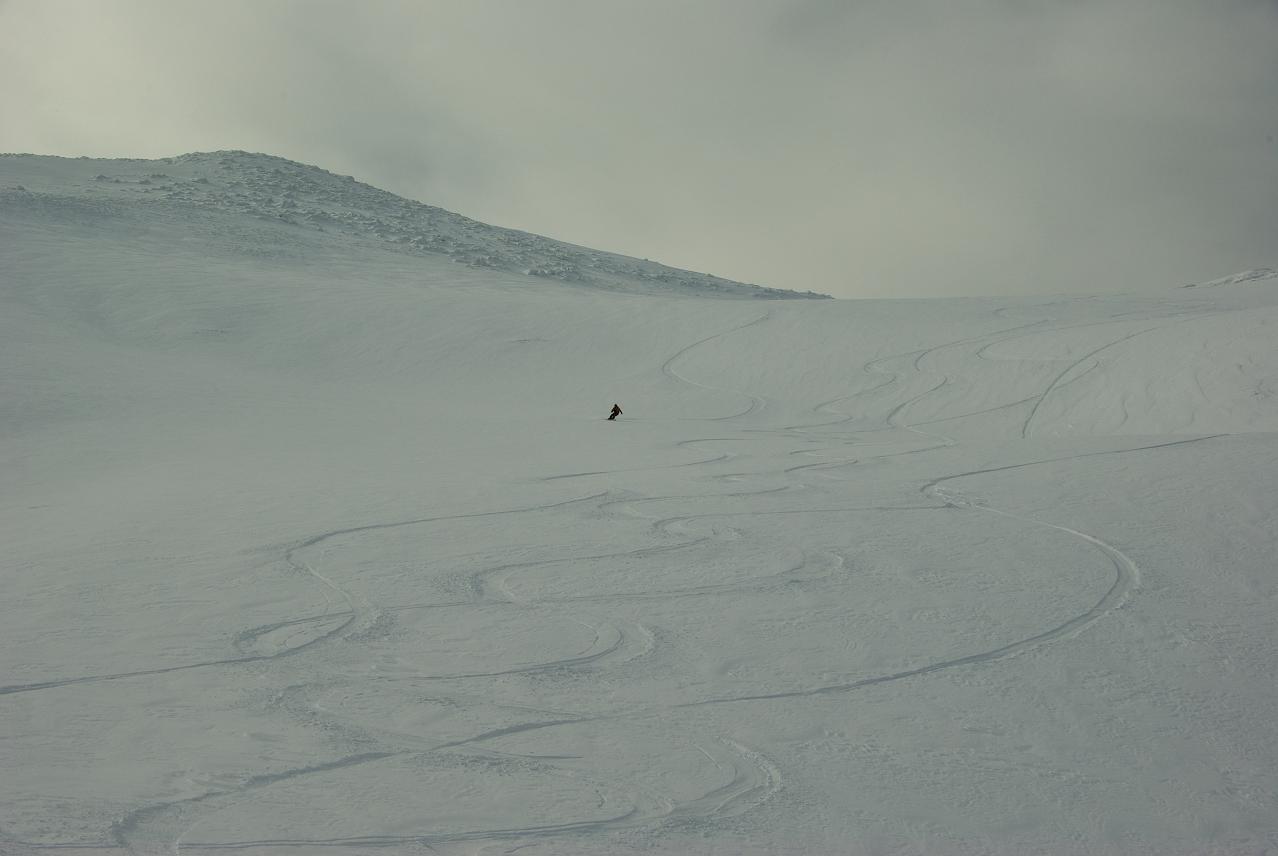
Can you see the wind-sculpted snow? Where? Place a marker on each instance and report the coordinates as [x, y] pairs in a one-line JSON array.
[[329, 548]]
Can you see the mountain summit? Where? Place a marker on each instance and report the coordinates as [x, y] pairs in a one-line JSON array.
[[297, 204]]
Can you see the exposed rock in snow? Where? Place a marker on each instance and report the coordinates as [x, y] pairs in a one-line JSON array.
[[307, 197], [1246, 276]]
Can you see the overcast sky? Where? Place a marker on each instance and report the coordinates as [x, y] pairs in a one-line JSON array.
[[863, 149]]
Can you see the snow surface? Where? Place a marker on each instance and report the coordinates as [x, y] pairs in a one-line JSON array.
[[317, 540]]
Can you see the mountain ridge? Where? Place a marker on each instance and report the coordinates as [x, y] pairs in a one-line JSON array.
[[311, 198]]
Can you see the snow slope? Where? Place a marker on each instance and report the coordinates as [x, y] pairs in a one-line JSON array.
[[202, 189], [317, 541]]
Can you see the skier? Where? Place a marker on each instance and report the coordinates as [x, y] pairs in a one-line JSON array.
[[616, 411]]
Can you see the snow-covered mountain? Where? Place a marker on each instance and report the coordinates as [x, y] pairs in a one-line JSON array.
[[303, 200], [316, 540], [1256, 275]]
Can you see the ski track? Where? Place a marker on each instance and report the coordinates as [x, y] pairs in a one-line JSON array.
[[1056, 381], [146, 827], [750, 778], [1126, 580], [1127, 573], [160, 827], [667, 368], [351, 615]]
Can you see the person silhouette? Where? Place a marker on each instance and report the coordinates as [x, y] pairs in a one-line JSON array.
[[616, 411]]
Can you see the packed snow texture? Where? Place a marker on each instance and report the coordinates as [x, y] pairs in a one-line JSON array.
[[318, 540]]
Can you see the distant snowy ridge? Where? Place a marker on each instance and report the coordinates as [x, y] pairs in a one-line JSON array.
[[307, 197], [1238, 278]]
